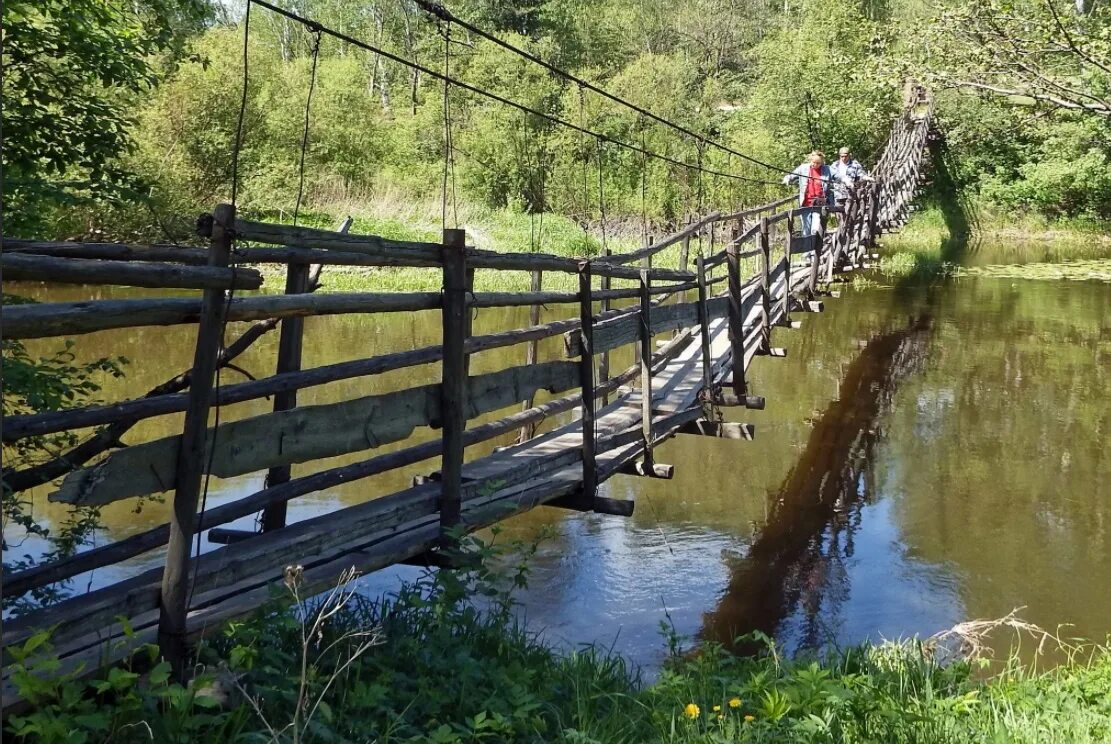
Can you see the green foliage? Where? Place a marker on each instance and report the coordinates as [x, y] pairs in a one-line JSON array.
[[73, 69], [444, 660], [31, 385]]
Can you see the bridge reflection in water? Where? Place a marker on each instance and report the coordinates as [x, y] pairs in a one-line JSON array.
[[796, 563]]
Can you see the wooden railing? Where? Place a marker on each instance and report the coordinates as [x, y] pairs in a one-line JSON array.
[[755, 272]]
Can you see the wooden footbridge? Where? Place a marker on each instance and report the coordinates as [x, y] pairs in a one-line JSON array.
[[696, 327]]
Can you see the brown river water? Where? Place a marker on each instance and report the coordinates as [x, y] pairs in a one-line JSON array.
[[926, 456]]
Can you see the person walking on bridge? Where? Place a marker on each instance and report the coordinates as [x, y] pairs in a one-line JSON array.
[[815, 188], [847, 171]]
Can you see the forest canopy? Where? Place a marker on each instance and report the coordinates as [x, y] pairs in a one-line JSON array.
[[122, 117]]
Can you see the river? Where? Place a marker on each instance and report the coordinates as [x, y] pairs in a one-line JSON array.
[[926, 456]]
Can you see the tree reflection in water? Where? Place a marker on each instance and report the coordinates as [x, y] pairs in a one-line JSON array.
[[796, 563]]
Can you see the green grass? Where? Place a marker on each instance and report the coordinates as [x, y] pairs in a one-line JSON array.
[[927, 248], [428, 665]]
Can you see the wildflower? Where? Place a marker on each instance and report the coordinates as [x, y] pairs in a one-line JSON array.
[[750, 719], [692, 711], [721, 716], [717, 709], [735, 703]]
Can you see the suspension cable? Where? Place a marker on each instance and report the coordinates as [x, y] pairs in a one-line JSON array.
[[494, 96]]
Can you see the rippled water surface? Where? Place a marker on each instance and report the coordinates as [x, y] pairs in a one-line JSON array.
[[926, 456]]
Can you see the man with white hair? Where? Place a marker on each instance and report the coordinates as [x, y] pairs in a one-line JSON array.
[[846, 173]]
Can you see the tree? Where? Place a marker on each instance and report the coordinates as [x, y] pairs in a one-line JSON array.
[[1053, 53], [71, 71]]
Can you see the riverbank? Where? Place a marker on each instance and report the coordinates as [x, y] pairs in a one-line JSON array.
[[427, 665], [938, 242]]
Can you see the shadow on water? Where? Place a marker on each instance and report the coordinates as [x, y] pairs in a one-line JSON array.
[[797, 561]]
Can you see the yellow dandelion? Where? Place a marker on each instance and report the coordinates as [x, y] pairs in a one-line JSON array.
[[717, 709], [721, 716], [750, 719], [735, 703], [692, 711]]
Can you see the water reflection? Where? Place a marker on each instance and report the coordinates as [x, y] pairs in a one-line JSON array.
[[923, 459], [797, 561]]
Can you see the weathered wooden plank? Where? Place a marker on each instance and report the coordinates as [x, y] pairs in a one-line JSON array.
[[27, 267], [306, 433], [74, 318], [623, 329]]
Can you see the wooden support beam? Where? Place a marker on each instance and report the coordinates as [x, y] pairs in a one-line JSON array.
[[536, 284], [704, 324], [720, 429], [30, 267], [290, 344], [586, 382], [819, 245], [647, 469], [453, 386], [736, 318], [598, 505], [729, 400], [765, 285], [786, 306], [192, 454], [646, 364]]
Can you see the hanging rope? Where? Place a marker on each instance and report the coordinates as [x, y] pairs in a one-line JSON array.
[[585, 155], [602, 198], [305, 131], [238, 143], [643, 190], [195, 569], [447, 125]]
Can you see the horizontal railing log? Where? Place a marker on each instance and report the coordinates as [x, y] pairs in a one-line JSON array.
[[654, 248], [190, 255], [76, 318], [36, 268]]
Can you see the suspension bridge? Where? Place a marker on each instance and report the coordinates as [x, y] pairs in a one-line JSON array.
[[695, 327]]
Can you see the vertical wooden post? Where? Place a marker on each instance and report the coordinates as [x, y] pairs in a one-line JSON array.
[[819, 244], [192, 453], [765, 286], [603, 307], [645, 265], [736, 321], [586, 381], [704, 323], [646, 366], [298, 279], [684, 257], [787, 268], [453, 388], [873, 224], [528, 431]]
